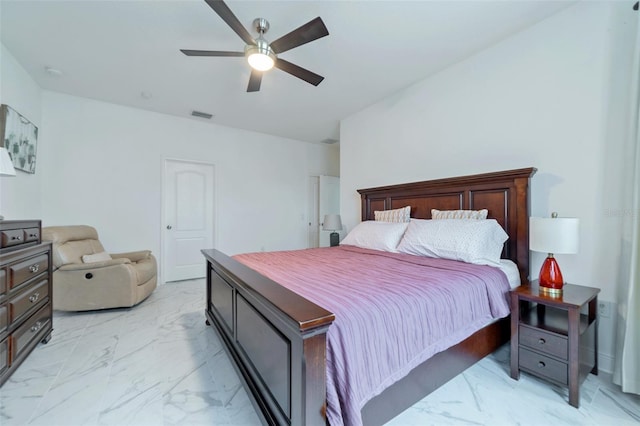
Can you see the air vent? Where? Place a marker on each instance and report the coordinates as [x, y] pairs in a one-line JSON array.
[[330, 141], [202, 114]]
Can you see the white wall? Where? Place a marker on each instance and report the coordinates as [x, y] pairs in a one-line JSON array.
[[104, 165], [552, 97], [20, 196]]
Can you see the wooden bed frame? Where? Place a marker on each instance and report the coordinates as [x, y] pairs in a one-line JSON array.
[[277, 339]]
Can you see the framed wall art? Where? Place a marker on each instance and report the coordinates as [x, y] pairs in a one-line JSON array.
[[20, 138]]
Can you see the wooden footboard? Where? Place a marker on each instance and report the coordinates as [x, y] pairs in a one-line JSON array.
[[276, 338]]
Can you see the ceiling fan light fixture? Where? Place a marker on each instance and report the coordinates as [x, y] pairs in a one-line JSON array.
[[260, 56]]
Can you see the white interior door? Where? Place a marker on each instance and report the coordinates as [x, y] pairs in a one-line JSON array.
[[188, 193], [314, 220], [329, 203]]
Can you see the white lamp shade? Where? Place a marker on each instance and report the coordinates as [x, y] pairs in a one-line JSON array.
[[331, 222], [558, 235], [6, 166]]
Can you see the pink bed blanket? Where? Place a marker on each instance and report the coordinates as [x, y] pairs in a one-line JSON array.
[[393, 312]]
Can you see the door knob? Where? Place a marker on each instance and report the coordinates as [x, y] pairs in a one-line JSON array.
[[168, 226]]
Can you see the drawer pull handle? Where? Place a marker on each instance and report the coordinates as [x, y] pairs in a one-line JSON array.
[[34, 297], [16, 238], [542, 341], [36, 327], [34, 268], [541, 364]]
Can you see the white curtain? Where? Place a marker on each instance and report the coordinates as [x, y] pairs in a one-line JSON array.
[[627, 362]]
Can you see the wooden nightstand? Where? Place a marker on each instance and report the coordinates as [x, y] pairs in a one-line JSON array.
[[555, 338]]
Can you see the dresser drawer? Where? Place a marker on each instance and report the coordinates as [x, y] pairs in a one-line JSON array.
[[4, 355], [25, 270], [4, 318], [3, 282], [27, 300], [543, 341], [29, 331], [544, 366], [25, 294], [31, 234], [11, 237]]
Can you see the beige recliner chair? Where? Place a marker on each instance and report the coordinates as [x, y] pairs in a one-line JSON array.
[[86, 278]]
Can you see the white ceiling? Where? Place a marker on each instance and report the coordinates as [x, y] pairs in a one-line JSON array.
[[114, 50]]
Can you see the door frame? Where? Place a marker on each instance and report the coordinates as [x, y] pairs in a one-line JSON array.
[[163, 213], [313, 201], [323, 236]]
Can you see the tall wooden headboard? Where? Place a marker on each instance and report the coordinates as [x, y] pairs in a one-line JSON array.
[[505, 194]]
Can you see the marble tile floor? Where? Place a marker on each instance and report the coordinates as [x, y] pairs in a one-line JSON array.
[[159, 364]]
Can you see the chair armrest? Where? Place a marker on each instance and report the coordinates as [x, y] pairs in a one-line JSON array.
[[92, 265], [134, 256]]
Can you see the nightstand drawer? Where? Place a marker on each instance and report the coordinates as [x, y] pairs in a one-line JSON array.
[[543, 341], [543, 366]]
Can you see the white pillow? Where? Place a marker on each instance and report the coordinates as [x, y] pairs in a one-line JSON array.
[[395, 215], [459, 214], [468, 240], [97, 257], [373, 235]]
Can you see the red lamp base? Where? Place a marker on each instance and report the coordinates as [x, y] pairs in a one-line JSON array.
[[550, 278]]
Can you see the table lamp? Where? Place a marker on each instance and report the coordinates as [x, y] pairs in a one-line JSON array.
[[6, 166], [553, 235], [333, 223]]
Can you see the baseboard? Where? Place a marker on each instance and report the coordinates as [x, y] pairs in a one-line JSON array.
[[605, 363]]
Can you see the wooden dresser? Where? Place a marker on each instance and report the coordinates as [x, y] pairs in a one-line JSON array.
[[25, 292]]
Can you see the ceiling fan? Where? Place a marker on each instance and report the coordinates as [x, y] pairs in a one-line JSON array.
[[262, 55]]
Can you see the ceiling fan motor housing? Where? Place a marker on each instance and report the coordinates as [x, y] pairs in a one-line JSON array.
[[261, 25]]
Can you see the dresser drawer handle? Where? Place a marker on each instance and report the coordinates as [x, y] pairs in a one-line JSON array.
[[36, 327], [16, 238], [542, 341], [541, 364], [34, 297], [34, 268]]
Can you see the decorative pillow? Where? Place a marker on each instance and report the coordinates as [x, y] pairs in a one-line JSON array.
[[373, 235], [468, 240], [97, 257], [459, 214], [395, 215]]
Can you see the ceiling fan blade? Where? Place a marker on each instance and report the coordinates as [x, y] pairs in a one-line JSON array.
[[227, 16], [310, 31], [254, 81], [301, 73], [210, 53]]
